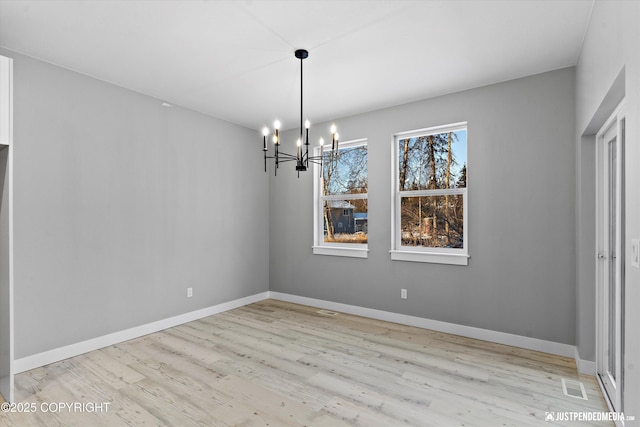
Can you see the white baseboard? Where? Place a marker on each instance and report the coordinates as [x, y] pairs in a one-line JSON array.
[[536, 344], [585, 367], [55, 355], [58, 354]]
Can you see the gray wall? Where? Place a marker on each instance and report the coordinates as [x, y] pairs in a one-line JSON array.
[[521, 274], [120, 204], [611, 51]]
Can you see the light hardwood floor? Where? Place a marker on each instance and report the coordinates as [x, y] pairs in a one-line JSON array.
[[274, 363]]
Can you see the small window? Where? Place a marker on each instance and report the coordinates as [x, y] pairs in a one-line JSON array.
[[430, 184], [341, 201]]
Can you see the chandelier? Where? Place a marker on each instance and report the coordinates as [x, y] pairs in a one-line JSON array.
[[301, 157]]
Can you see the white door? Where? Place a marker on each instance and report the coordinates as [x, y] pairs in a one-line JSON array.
[[6, 229], [610, 256]]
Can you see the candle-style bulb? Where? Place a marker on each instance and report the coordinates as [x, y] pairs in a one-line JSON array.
[[337, 136], [333, 128], [307, 123], [276, 124], [265, 131], [321, 141], [275, 139], [299, 143]]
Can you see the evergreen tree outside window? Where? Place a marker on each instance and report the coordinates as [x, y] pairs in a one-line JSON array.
[[429, 217]]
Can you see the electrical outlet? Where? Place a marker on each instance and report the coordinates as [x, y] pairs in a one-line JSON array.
[[189, 292], [635, 253], [403, 293]]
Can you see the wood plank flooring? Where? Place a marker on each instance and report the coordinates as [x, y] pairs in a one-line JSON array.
[[274, 363]]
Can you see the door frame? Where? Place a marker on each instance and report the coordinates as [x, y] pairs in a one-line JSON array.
[[6, 283], [612, 390]]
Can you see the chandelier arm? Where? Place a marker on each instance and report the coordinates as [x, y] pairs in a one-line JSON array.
[[288, 156], [288, 160]]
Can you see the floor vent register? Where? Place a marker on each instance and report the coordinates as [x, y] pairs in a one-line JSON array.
[[326, 312], [574, 389]]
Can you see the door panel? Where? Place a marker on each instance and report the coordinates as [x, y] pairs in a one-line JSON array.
[[610, 235]]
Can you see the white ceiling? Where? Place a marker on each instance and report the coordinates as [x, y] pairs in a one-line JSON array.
[[234, 59]]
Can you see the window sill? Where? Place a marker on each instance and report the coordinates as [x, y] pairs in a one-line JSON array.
[[431, 257], [362, 252]]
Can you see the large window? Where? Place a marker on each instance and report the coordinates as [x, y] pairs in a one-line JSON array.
[[341, 206], [430, 186]]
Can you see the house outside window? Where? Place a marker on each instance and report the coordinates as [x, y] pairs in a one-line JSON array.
[[341, 201], [429, 212]]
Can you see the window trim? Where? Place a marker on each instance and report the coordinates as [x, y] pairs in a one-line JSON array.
[[423, 254], [320, 247]]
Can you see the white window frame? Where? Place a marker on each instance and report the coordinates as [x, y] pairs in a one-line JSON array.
[[320, 247], [398, 252]]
